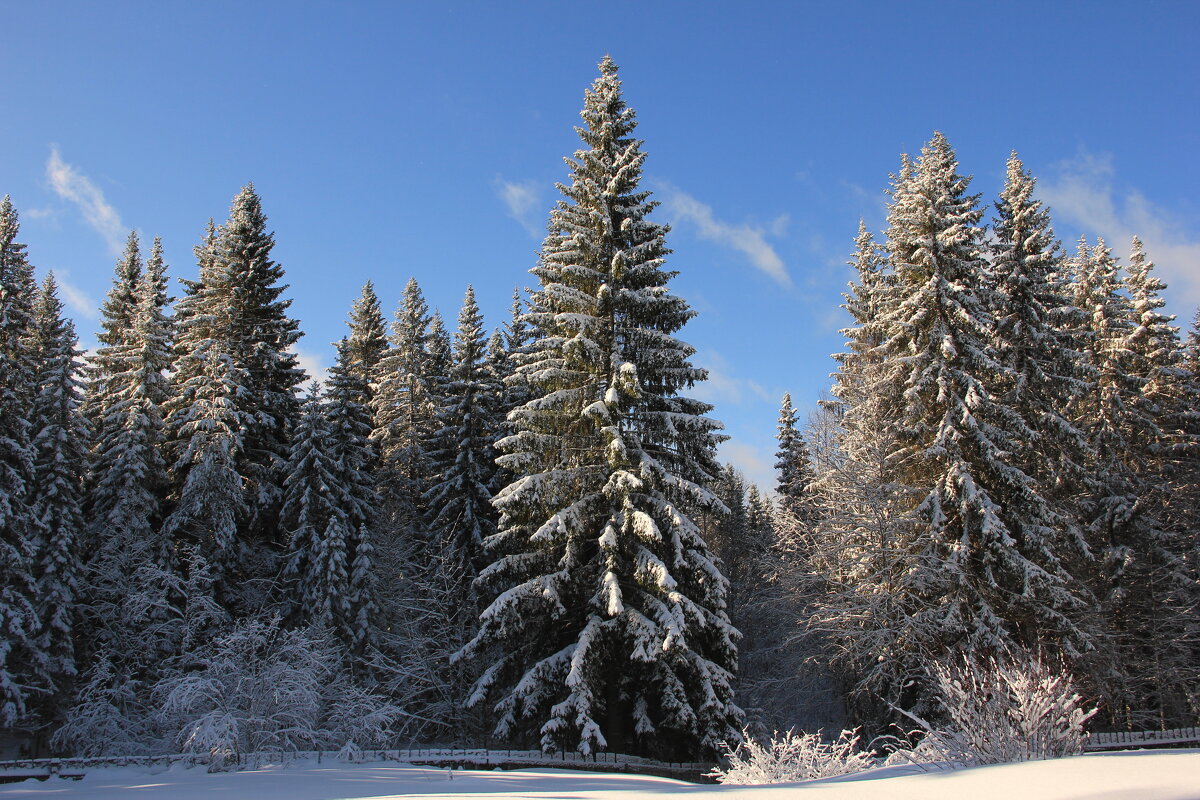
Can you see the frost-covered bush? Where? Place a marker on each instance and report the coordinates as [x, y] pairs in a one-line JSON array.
[[109, 717], [793, 757], [355, 717], [1001, 710], [262, 688]]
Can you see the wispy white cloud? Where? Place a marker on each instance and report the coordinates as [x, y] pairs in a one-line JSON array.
[[39, 213], [69, 184], [755, 464], [724, 386], [80, 302], [748, 239], [764, 394], [721, 386], [313, 364], [523, 201], [1084, 192]]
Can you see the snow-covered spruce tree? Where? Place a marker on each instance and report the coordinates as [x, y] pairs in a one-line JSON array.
[[1036, 324], [987, 572], [349, 423], [403, 411], [116, 324], [460, 509], [327, 508], [234, 358], [791, 462], [126, 610], [608, 628], [22, 661], [312, 513], [211, 506], [1147, 586], [1112, 414], [517, 335], [863, 301], [441, 359], [260, 338], [234, 313], [367, 343], [60, 441], [128, 472], [507, 341], [1157, 357]]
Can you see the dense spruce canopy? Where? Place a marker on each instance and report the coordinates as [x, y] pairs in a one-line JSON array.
[[608, 628]]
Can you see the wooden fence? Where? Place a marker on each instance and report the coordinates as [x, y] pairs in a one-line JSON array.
[[441, 757], [1120, 740]]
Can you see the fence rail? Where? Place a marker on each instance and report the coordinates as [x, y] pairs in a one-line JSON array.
[[444, 757], [1117, 740]]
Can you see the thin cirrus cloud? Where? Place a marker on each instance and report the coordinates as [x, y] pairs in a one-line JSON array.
[[76, 188], [1083, 191], [754, 464], [749, 240], [523, 201], [723, 386], [313, 364], [79, 301]]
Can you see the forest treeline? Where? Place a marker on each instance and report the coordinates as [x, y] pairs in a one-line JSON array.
[[525, 535]]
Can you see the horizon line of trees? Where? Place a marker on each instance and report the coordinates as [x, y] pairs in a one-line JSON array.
[[526, 533]]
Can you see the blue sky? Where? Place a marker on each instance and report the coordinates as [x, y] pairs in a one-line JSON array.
[[403, 139]]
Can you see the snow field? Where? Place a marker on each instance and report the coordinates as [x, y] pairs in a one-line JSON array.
[[1136, 775]]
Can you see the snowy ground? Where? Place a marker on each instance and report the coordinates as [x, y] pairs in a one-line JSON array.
[[1140, 775]]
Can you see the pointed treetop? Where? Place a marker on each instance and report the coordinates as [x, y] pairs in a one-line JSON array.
[[8, 218], [608, 67], [49, 295], [247, 206]]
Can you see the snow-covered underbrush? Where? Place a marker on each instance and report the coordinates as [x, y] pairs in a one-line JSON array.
[[1003, 710], [793, 757], [258, 689], [997, 710]]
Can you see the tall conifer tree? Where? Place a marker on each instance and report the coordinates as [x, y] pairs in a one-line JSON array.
[[864, 302], [367, 343], [791, 461], [259, 336], [130, 564], [608, 629], [403, 407], [22, 661], [988, 571], [128, 471], [60, 439], [235, 368], [1035, 321], [328, 506], [1146, 586], [116, 324], [459, 503]]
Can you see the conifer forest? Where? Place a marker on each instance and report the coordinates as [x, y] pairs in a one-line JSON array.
[[519, 533]]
